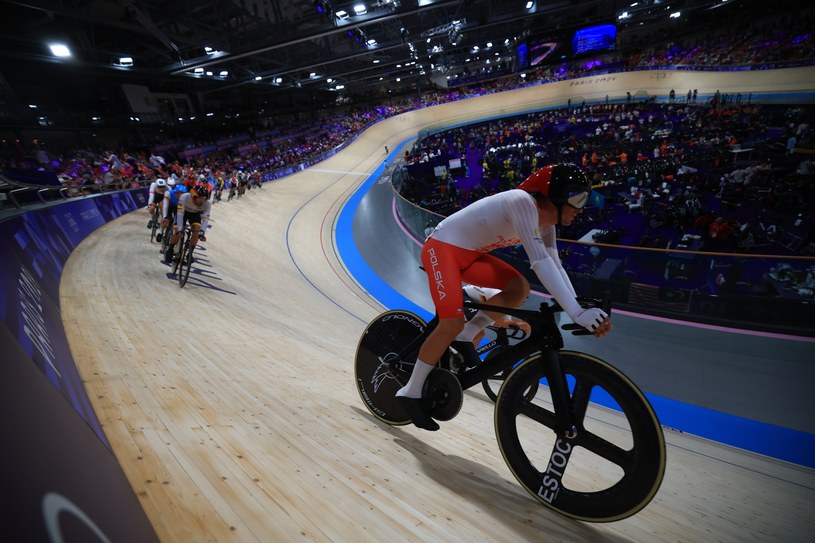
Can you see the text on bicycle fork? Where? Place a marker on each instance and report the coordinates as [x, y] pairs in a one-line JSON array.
[[550, 484]]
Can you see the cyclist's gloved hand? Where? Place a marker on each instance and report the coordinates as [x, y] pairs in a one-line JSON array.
[[555, 283], [590, 318]]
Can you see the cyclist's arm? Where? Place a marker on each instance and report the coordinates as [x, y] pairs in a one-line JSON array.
[[151, 194], [205, 216], [550, 241], [524, 215], [179, 216], [165, 205]]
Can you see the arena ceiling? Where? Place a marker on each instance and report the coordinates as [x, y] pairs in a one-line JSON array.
[[223, 48]]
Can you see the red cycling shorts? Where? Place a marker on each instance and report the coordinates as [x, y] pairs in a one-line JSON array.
[[448, 266]]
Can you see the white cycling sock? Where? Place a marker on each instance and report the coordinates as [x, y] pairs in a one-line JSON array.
[[413, 388], [474, 325]]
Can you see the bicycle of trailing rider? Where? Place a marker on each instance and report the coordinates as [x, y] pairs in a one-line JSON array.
[[576, 433], [155, 219], [182, 261]]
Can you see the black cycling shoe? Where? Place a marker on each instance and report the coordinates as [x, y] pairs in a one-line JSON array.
[[418, 413], [158, 237], [468, 352]]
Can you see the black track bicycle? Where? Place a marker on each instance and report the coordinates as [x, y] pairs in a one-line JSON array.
[[576, 433], [166, 236], [182, 261], [155, 221]]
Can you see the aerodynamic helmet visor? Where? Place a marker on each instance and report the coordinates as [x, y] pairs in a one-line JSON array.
[[577, 199]]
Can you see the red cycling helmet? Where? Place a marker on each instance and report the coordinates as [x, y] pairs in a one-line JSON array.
[[561, 184]]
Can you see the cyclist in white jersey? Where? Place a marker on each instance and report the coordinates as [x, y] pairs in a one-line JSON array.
[[457, 251], [194, 208], [158, 189]]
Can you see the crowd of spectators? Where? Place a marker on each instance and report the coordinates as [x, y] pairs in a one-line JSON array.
[[661, 171], [618, 143], [762, 42]]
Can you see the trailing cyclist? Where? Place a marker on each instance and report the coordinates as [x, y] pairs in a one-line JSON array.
[[157, 190], [219, 187], [458, 251], [193, 208], [169, 205]]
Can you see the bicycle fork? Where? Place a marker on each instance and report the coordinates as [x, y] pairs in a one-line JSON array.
[[565, 431], [559, 389]]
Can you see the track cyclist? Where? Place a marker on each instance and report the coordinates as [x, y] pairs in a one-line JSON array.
[[194, 208], [457, 252], [169, 205], [158, 189]]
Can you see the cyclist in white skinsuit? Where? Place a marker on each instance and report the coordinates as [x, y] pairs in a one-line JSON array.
[[158, 189], [457, 251]]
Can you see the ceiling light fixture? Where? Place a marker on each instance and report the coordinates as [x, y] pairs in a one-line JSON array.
[[60, 50]]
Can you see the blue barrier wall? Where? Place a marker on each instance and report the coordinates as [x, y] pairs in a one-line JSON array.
[[55, 462]]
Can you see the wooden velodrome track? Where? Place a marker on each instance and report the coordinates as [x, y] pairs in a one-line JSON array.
[[233, 411]]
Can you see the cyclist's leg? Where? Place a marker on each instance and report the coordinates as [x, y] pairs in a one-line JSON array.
[[178, 231], [492, 272], [443, 264], [195, 224]]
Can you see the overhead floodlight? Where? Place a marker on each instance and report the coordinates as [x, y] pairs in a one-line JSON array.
[[60, 50], [125, 61], [209, 74], [376, 61], [199, 71], [340, 87], [624, 15], [675, 15], [278, 80], [371, 42], [530, 4], [341, 14], [329, 80], [258, 78], [360, 9], [32, 106], [224, 73], [313, 74]]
